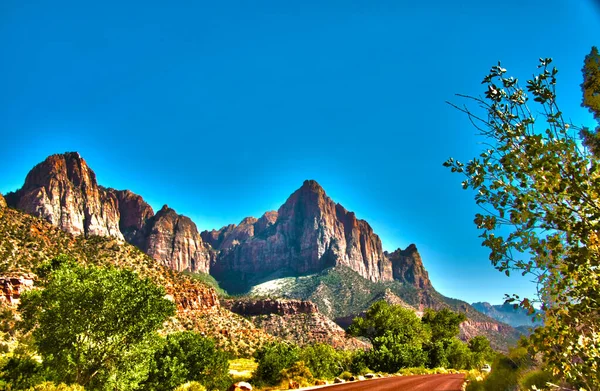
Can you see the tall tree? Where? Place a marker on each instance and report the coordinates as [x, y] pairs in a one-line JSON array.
[[390, 321], [444, 324], [93, 325], [591, 97], [539, 191]]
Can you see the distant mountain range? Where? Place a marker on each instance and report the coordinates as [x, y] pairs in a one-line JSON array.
[[310, 248], [508, 314]]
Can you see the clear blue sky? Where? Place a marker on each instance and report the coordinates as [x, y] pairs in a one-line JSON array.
[[221, 109]]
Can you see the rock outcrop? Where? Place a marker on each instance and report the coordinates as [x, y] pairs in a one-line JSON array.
[[407, 267], [174, 241], [255, 307], [63, 191], [134, 214], [11, 287], [298, 321], [307, 234], [2, 202]]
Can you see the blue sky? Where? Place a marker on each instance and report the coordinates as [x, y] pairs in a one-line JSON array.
[[222, 109]]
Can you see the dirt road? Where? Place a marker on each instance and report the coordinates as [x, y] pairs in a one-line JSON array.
[[404, 383]]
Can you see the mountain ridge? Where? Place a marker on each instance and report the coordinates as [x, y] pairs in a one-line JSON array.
[[308, 234]]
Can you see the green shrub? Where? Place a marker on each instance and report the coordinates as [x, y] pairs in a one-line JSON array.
[[537, 378], [50, 386], [191, 386], [323, 360], [359, 362], [188, 356], [345, 375], [21, 372], [272, 358], [298, 373]]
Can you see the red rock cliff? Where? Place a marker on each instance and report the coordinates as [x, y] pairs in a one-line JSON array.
[[63, 191], [407, 267], [173, 240], [307, 234]]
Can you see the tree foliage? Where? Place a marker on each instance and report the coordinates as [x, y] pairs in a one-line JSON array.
[[94, 325], [539, 191], [184, 357], [444, 324], [383, 321], [272, 358], [591, 97]]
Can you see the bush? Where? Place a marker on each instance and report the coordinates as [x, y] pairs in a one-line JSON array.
[[50, 386], [272, 358], [188, 356], [345, 375], [359, 362], [298, 373], [21, 372], [390, 358], [537, 378], [323, 360], [191, 386]]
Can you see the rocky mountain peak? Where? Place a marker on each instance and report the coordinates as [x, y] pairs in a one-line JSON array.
[[174, 240], [407, 266], [63, 191], [307, 234]]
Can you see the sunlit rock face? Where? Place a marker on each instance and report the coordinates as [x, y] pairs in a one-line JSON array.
[[63, 191], [407, 267], [308, 233], [173, 240]]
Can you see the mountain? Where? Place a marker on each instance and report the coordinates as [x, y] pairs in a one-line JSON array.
[[311, 248], [508, 314], [63, 191], [308, 234], [27, 241]]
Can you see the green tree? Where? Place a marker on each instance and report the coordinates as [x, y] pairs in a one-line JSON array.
[[397, 335], [382, 320], [272, 358], [538, 189], [94, 325], [444, 324], [481, 350], [323, 360], [591, 97], [188, 356]]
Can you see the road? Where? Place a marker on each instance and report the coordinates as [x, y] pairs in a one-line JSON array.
[[404, 383]]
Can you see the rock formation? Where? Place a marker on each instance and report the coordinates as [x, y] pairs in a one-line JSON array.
[[295, 320], [134, 213], [407, 267], [254, 307], [307, 234], [2, 202], [173, 240], [63, 191], [11, 287]]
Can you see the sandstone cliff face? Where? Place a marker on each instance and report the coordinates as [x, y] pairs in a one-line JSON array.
[[63, 191], [270, 306], [134, 213], [174, 241], [11, 287], [407, 267], [307, 234], [2, 202], [298, 321]]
